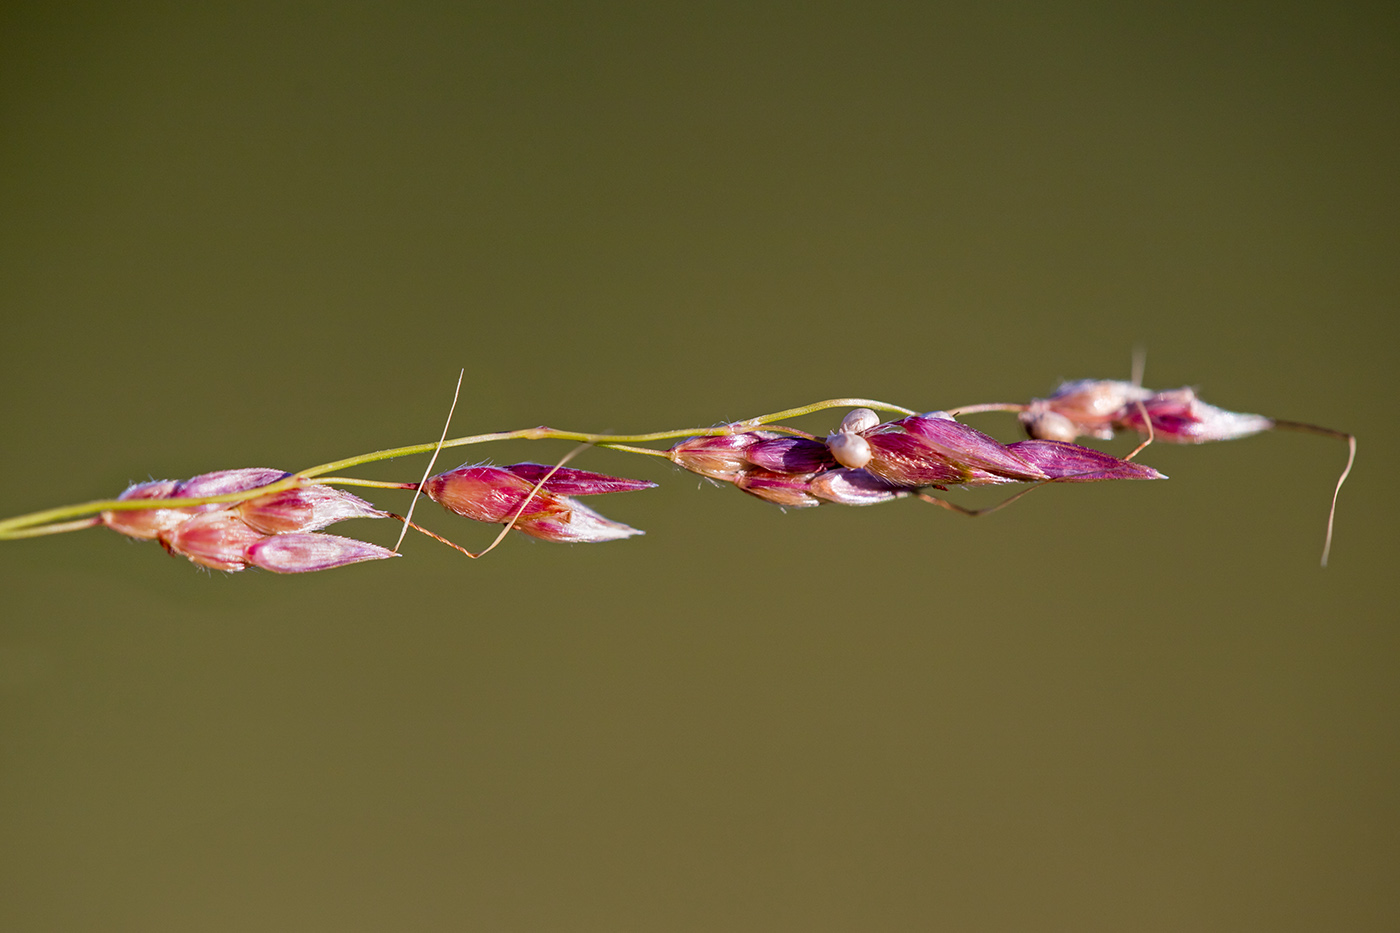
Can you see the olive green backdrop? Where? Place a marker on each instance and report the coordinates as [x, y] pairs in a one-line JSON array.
[[240, 235]]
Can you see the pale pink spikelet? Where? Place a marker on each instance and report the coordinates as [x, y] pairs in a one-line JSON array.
[[223, 482], [146, 524], [213, 539], [223, 535], [1085, 407], [1179, 417], [304, 508], [1098, 408], [307, 553]]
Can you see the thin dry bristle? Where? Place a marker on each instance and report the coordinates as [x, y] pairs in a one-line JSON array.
[[456, 393], [1332, 514], [1151, 431], [978, 513], [1306, 428]]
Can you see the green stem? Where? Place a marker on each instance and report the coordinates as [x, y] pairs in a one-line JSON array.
[[544, 432], [38, 531], [10, 527], [649, 451], [371, 483], [990, 406], [820, 406]]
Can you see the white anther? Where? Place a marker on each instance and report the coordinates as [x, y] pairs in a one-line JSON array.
[[849, 449], [1049, 426], [859, 419]]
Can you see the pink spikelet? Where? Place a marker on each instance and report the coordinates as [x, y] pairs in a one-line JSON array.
[[306, 553], [967, 448], [504, 494], [146, 524], [793, 472], [720, 458], [304, 508], [1179, 417], [1070, 463], [1099, 407], [790, 490], [865, 462], [274, 532], [213, 539], [1084, 408]]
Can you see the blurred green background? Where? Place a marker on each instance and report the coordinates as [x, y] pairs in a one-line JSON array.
[[239, 234]]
